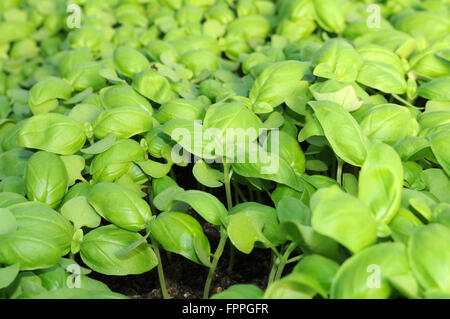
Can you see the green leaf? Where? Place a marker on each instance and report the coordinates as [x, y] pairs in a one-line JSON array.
[[365, 275], [405, 284], [344, 218], [206, 175], [202, 254], [429, 256], [320, 268], [256, 162], [8, 199], [330, 15], [8, 274], [440, 146], [30, 248], [101, 145], [342, 94], [8, 223], [293, 286], [74, 166], [123, 122], [350, 184], [34, 216], [100, 246], [276, 82], [129, 62], [116, 161], [53, 133], [164, 198], [295, 223], [249, 223], [46, 178], [383, 77], [177, 232], [79, 293], [388, 123], [78, 211], [337, 60], [120, 206], [382, 171], [438, 183], [205, 204], [154, 169], [403, 225], [342, 132]]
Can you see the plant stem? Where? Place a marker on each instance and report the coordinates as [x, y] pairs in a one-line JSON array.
[[339, 171], [217, 254], [294, 259], [162, 281], [399, 98], [226, 181], [284, 260], [231, 260], [155, 244], [273, 269]]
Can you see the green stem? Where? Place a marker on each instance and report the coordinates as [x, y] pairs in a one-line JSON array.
[[231, 260], [217, 254], [273, 269], [339, 171], [226, 181], [399, 98], [155, 244], [294, 259], [284, 260], [162, 281]]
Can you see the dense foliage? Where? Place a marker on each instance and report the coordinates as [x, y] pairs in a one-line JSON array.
[[350, 100]]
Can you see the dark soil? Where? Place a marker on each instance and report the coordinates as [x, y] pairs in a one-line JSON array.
[[185, 279]]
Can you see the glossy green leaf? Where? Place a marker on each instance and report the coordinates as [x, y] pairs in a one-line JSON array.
[[383, 77], [8, 223], [120, 206], [337, 60], [342, 132], [101, 145], [8, 274], [365, 275], [206, 175], [429, 256], [439, 145], [52, 132], [80, 213], [276, 82], [100, 246], [383, 171], [123, 122], [46, 178], [205, 204], [176, 232], [343, 218], [74, 166]]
